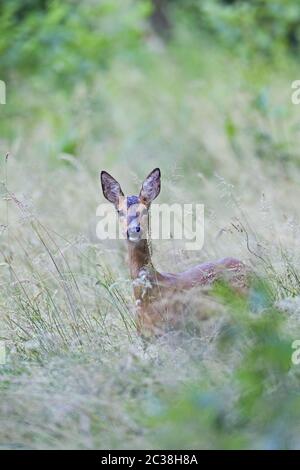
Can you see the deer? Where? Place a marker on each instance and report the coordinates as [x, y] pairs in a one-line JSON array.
[[153, 290]]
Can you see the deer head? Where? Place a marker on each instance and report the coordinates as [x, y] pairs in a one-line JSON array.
[[133, 211]]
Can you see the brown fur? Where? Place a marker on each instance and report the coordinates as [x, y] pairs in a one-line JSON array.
[[159, 299]]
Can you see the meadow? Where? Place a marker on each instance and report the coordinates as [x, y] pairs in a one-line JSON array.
[[215, 114]]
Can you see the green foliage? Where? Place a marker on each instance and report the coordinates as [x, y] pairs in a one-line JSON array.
[[240, 409], [258, 26], [67, 40]]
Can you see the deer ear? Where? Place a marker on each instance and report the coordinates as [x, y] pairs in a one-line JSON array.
[[151, 186], [111, 188]]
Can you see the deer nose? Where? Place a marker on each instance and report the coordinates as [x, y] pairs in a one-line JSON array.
[[132, 232], [134, 229]]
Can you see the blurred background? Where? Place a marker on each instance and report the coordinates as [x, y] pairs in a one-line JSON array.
[[201, 89]]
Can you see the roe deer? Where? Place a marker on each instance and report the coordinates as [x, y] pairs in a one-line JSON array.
[[154, 290]]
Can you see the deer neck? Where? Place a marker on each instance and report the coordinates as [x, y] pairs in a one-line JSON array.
[[139, 257]]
